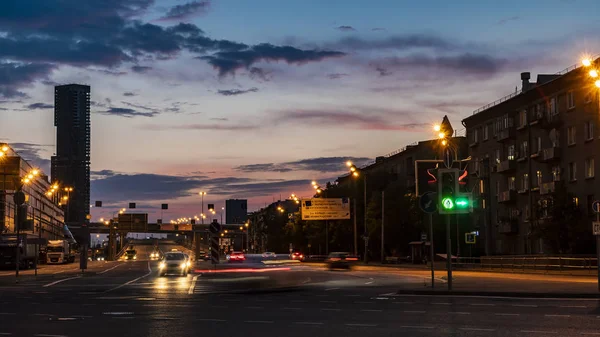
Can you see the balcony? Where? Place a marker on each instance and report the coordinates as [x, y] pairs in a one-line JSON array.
[[536, 118], [508, 227], [506, 166], [550, 154], [552, 121], [548, 188], [507, 196], [506, 134]]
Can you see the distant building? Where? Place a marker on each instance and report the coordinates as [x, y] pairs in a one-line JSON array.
[[524, 146], [236, 211], [71, 164]]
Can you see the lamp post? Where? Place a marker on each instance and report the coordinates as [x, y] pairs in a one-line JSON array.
[[202, 194], [320, 190], [355, 173], [222, 211], [68, 201]]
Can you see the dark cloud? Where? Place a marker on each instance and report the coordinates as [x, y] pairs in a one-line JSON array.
[[260, 74], [220, 119], [463, 63], [235, 92], [346, 28], [127, 113], [397, 42], [322, 164], [141, 69], [102, 173], [110, 72], [33, 154], [185, 11], [228, 62], [378, 29], [98, 104], [355, 117], [506, 20], [14, 76], [336, 76], [129, 94], [138, 106], [39, 105], [382, 71]]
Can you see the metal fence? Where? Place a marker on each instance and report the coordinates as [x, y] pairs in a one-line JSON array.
[[530, 263]]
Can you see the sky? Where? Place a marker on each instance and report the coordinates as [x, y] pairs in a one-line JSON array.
[[254, 99]]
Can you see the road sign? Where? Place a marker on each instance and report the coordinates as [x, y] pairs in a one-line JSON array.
[[596, 227], [325, 209], [133, 222], [19, 198], [470, 238], [214, 250], [428, 203], [164, 206], [596, 206], [215, 227]]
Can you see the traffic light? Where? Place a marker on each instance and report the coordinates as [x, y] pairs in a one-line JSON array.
[[451, 199]]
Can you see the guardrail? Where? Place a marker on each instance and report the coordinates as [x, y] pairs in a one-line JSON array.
[[530, 263]]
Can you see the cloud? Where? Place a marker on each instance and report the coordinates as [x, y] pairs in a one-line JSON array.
[[185, 11], [378, 29], [353, 117], [127, 113], [382, 71], [396, 42], [39, 105], [346, 28], [321, 164], [220, 119], [235, 92], [32, 153], [208, 127], [14, 75], [256, 73], [469, 63], [228, 62], [506, 20], [141, 69], [336, 76], [129, 94]]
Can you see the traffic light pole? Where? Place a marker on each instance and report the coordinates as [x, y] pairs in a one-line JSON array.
[[431, 250], [448, 252]]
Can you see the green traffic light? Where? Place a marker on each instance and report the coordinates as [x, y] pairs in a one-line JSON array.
[[447, 203], [462, 202]]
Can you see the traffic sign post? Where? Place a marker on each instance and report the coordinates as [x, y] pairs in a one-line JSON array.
[[470, 238], [596, 231], [428, 203], [214, 228]]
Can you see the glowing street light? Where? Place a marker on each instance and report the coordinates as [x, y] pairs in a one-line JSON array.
[[437, 128], [586, 62], [593, 73]]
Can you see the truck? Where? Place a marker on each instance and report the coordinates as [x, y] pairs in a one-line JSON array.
[[59, 251], [27, 250]]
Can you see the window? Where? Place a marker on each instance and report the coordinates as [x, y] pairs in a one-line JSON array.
[[525, 182], [556, 173], [572, 171], [552, 109], [539, 179], [512, 183], [589, 168], [524, 149], [590, 200], [554, 137], [571, 135], [497, 156], [588, 97], [588, 129], [485, 132], [526, 212], [537, 145], [570, 100], [576, 201], [522, 118], [475, 135], [511, 152]]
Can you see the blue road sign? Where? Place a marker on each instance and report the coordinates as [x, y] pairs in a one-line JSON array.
[[428, 203], [596, 206]]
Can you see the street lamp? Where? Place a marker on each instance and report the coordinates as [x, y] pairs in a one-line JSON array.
[[202, 194], [355, 173]]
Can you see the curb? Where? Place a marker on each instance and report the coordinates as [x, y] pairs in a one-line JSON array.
[[497, 294]]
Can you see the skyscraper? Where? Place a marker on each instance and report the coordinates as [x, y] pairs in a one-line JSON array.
[[71, 164]]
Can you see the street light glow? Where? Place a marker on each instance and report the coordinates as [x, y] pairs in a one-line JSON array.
[[586, 62], [441, 135], [355, 174], [35, 172], [349, 163], [444, 142], [437, 128], [593, 73], [4, 148], [598, 83]]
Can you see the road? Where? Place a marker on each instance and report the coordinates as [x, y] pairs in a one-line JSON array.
[[129, 299]]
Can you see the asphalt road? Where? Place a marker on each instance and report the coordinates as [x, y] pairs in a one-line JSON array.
[[129, 299]]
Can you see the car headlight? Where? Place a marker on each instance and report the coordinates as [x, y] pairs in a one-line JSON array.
[[161, 265], [183, 265], [188, 263], [135, 257]]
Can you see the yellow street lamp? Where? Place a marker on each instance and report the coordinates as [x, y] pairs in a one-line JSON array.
[[437, 128], [246, 224], [586, 62], [444, 142], [593, 73], [597, 83], [441, 135], [241, 228], [4, 148]]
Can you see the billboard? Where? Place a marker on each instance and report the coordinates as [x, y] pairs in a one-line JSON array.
[[326, 209]]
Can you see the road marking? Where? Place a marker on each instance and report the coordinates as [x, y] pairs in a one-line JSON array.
[[309, 323], [549, 315], [255, 307], [109, 269], [328, 301], [537, 331], [361, 325], [573, 306], [211, 319], [476, 329], [363, 302], [288, 308], [132, 281], [371, 310], [5, 333], [46, 335], [118, 313], [460, 313], [590, 333], [352, 295], [193, 285], [416, 327], [403, 302], [441, 303], [262, 322], [330, 309], [60, 281], [329, 289], [414, 311], [525, 305], [483, 304], [123, 317], [369, 282], [506, 314]]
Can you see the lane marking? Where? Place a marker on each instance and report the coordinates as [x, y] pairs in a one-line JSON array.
[[255, 307], [371, 310], [261, 322], [441, 303], [109, 269], [573, 306], [416, 327], [132, 281], [550, 315], [60, 281], [414, 311], [361, 325], [309, 323], [460, 313], [369, 282], [329, 289], [211, 319], [506, 314], [537, 331], [328, 301], [288, 308], [363, 302], [476, 329], [483, 304], [331, 309], [193, 285], [5, 333], [525, 305]]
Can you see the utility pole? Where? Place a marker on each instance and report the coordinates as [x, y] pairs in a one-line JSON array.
[[355, 234], [382, 226], [448, 252]]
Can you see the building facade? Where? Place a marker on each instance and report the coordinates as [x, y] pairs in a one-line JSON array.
[[236, 211], [42, 212], [71, 164], [527, 145]]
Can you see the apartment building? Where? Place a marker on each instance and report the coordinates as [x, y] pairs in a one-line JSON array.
[[524, 145]]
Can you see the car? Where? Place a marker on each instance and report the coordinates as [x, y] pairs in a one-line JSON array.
[[155, 255], [174, 263], [297, 255], [131, 254], [340, 260], [203, 256], [237, 257], [269, 255]]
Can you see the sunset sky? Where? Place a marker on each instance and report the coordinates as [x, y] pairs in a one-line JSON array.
[[254, 99]]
